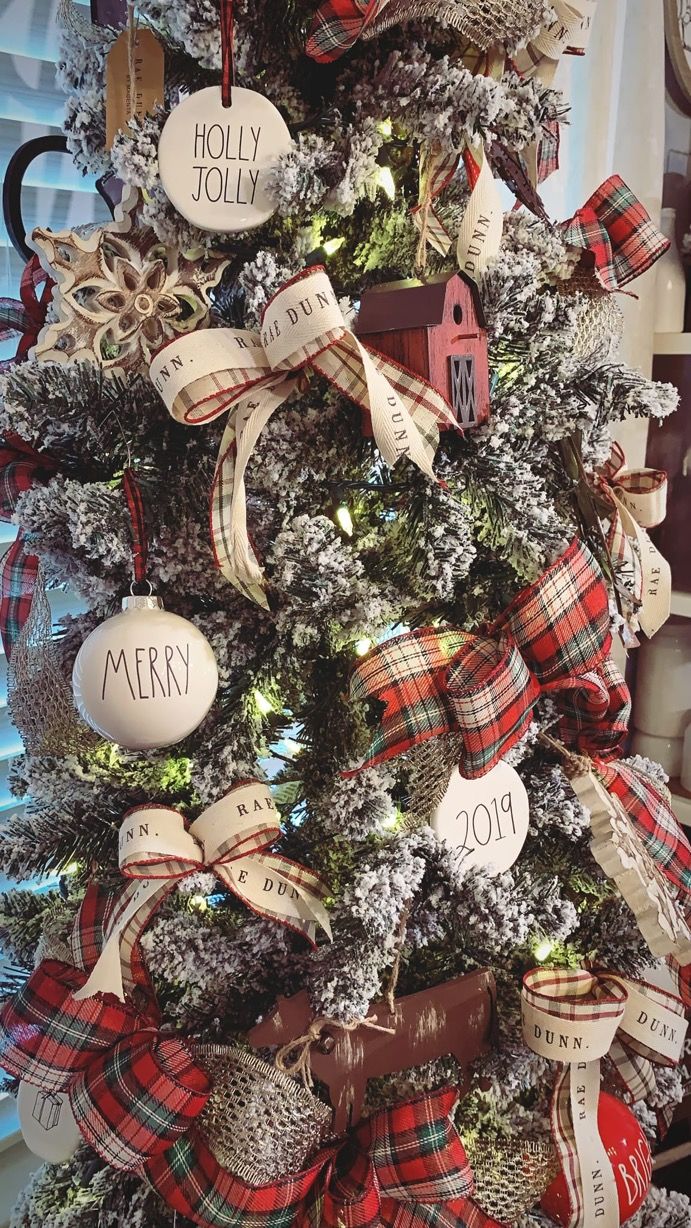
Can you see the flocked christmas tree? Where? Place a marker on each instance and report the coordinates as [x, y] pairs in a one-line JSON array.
[[354, 590]]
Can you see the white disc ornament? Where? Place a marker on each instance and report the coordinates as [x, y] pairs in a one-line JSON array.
[[145, 678], [214, 160], [47, 1123], [486, 819]]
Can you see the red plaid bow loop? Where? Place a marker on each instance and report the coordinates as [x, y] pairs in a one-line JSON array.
[[133, 1092], [617, 231], [25, 316], [554, 637], [337, 26], [21, 468]]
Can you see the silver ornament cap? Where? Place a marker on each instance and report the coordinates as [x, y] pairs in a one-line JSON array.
[[134, 602]]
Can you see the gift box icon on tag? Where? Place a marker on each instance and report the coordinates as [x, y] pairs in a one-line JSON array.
[[46, 1110]]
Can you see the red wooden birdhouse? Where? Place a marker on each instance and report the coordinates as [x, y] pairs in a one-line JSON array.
[[436, 328]]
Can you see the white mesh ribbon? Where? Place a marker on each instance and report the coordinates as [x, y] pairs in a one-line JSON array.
[[577, 1018], [230, 838], [205, 374]]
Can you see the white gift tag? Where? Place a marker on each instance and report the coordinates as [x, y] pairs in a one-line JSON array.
[[485, 819], [213, 160], [47, 1123]]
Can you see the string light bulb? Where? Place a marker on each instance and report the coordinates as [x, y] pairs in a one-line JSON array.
[[386, 181], [344, 519], [542, 950], [331, 246], [363, 646], [263, 704], [199, 902], [385, 127]]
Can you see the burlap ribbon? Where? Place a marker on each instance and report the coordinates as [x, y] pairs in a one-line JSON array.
[[157, 852], [636, 500], [577, 1018], [204, 374], [554, 638]]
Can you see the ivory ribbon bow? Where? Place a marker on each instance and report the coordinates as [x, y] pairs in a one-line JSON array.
[[202, 375], [156, 852], [637, 501], [577, 1018], [482, 225], [568, 33]]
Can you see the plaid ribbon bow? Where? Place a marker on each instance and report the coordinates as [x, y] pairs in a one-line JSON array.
[[133, 1091], [617, 232], [404, 1167], [230, 837], [21, 468], [337, 26], [577, 1018], [636, 500], [205, 374], [26, 315], [553, 638]]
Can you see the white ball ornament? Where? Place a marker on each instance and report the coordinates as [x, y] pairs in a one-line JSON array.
[[47, 1123], [214, 160], [486, 820], [145, 678]]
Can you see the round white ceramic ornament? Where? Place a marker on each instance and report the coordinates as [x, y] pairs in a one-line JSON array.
[[47, 1123], [145, 678], [214, 160], [485, 819]]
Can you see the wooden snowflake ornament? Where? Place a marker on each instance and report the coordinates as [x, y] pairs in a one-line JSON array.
[[121, 294], [619, 850]]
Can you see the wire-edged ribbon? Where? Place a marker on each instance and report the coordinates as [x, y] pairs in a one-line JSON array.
[[567, 33], [553, 639], [24, 317], [21, 468], [636, 500], [617, 232], [577, 1018], [481, 228], [207, 373], [157, 851], [404, 1167], [140, 539]]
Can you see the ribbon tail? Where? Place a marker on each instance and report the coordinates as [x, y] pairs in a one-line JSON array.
[[232, 548], [654, 589], [482, 225], [277, 888], [635, 1071], [133, 912]]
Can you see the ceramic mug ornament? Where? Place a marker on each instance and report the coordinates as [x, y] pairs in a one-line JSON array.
[[214, 160], [629, 1154], [145, 678], [485, 819], [47, 1122]]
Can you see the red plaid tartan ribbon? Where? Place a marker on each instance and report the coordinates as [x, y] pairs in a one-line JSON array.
[[204, 375], [21, 468], [553, 638], [618, 233], [231, 838], [577, 1018], [635, 501], [25, 316], [132, 1090], [338, 25], [140, 543], [404, 1167]]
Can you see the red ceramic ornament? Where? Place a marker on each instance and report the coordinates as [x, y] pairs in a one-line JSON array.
[[629, 1153]]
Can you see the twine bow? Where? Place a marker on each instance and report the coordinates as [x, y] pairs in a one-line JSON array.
[[157, 852], [25, 316], [21, 468], [577, 1018], [553, 638], [636, 500], [204, 374], [617, 232], [109, 1057], [294, 1057]]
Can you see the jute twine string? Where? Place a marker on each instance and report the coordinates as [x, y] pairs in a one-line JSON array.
[[578, 764], [295, 1057]]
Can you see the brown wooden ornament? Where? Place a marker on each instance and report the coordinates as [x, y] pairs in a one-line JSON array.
[[436, 328], [455, 1018]]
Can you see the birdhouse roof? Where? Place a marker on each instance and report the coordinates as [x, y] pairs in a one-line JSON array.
[[412, 303]]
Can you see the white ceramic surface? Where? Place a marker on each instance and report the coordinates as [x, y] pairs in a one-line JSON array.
[[662, 704], [670, 282]]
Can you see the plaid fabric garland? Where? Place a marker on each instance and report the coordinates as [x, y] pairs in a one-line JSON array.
[[405, 1167], [617, 231], [21, 468], [553, 638]]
